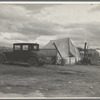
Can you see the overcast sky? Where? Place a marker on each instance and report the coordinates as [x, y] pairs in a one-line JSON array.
[[43, 22]]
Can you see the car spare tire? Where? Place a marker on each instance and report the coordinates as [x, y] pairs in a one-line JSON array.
[[32, 61]]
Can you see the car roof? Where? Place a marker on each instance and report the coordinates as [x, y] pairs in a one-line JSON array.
[[25, 44]]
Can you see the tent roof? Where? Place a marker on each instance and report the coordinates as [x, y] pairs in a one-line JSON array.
[[65, 47]]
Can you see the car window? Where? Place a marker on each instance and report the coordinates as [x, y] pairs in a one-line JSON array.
[[25, 47], [17, 47], [35, 47]]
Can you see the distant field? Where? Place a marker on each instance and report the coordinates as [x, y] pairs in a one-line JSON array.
[[2, 49]]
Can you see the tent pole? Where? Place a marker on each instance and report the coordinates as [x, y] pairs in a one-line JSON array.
[[58, 50], [69, 52]]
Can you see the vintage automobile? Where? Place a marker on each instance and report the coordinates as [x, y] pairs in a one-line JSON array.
[[23, 52]]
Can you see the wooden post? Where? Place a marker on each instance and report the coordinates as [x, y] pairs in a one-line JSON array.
[[62, 60], [69, 52], [57, 50]]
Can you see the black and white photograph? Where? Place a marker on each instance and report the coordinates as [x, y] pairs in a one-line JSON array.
[[49, 50]]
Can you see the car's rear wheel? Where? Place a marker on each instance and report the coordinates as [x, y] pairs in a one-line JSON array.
[[32, 61], [2, 60]]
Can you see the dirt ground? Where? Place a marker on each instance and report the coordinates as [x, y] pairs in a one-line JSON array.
[[17, 80]]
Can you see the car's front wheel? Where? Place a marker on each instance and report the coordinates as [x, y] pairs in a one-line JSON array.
[[2, 60], [32, 61]]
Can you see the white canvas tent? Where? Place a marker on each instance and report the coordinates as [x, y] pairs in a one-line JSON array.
[[68, 51]]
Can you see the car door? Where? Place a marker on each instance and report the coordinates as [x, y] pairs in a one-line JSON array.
[[25, 52], [17, 53]]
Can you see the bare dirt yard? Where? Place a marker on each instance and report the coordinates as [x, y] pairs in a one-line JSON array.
[[17, 80]]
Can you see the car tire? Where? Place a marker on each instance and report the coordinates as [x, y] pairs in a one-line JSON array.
[[2, 60], [32, 61]]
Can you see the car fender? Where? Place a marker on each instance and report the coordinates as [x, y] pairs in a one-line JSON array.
[[34, 55], [2, 54]]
